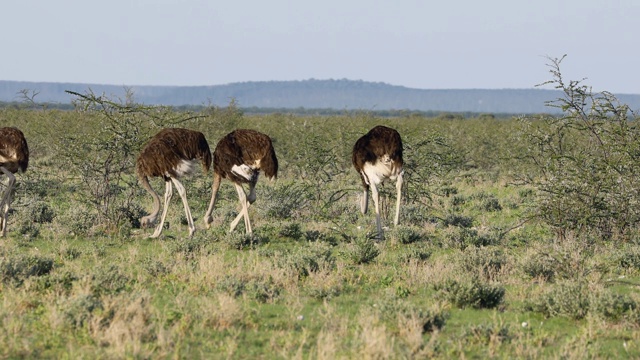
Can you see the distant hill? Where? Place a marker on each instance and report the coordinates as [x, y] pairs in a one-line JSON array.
[[312, 94]]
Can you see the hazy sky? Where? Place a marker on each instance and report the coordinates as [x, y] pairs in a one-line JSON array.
[[443, 44]]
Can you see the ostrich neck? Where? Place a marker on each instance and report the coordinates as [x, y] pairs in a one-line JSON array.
[[156, 198]]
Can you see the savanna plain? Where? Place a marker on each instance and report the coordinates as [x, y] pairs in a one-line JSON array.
[[518, 238]]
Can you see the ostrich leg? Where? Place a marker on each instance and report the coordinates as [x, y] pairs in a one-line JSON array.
[[187, 212]]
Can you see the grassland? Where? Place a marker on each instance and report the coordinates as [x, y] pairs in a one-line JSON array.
[[468, 273]]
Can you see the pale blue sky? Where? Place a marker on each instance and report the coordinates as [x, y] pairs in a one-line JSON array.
[[445, 44]]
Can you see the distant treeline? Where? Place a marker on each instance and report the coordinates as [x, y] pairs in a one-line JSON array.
[[293, 111], [306, 97]]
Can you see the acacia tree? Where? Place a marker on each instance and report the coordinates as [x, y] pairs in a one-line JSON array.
[[587, 161], [103, 156]]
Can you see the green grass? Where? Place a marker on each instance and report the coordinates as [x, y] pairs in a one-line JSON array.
[[311, 285]]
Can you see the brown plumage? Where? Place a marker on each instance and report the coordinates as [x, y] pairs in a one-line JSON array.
[[377, 156], [171, 154], [240, 156], [14, 157]]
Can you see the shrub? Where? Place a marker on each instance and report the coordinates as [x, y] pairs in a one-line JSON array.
[[240, 240], [310, 258], [362, 250], [487, 333], [416, 214], [458, 200], [562, 260], [14, 270], [109, 280], [432, 319], [458, 221], [61, 281], [291, 230], [315, 235], [630, 258], [155, 267], [586, 162], [263, 289], [474, 293], [39, 212], [484, 261], [417, 251], [284, 200], [77, 311], [541, 266], [190, 246], [77, 220], [612, 306], [258, 288], [575, 300], [406, 235], [461, 238], [490, 204]]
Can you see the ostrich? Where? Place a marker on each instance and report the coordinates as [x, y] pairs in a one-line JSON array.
[[239, 157], [171, 154], [377, 156], [14, 157]]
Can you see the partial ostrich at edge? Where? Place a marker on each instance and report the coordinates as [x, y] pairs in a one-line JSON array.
[[239, 157], [377, 156], [14, 157], [171, 154]]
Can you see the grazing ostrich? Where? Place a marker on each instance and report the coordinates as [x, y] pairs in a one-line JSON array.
[[171, 154], [377, 156], [239, 157], [14, 157]]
